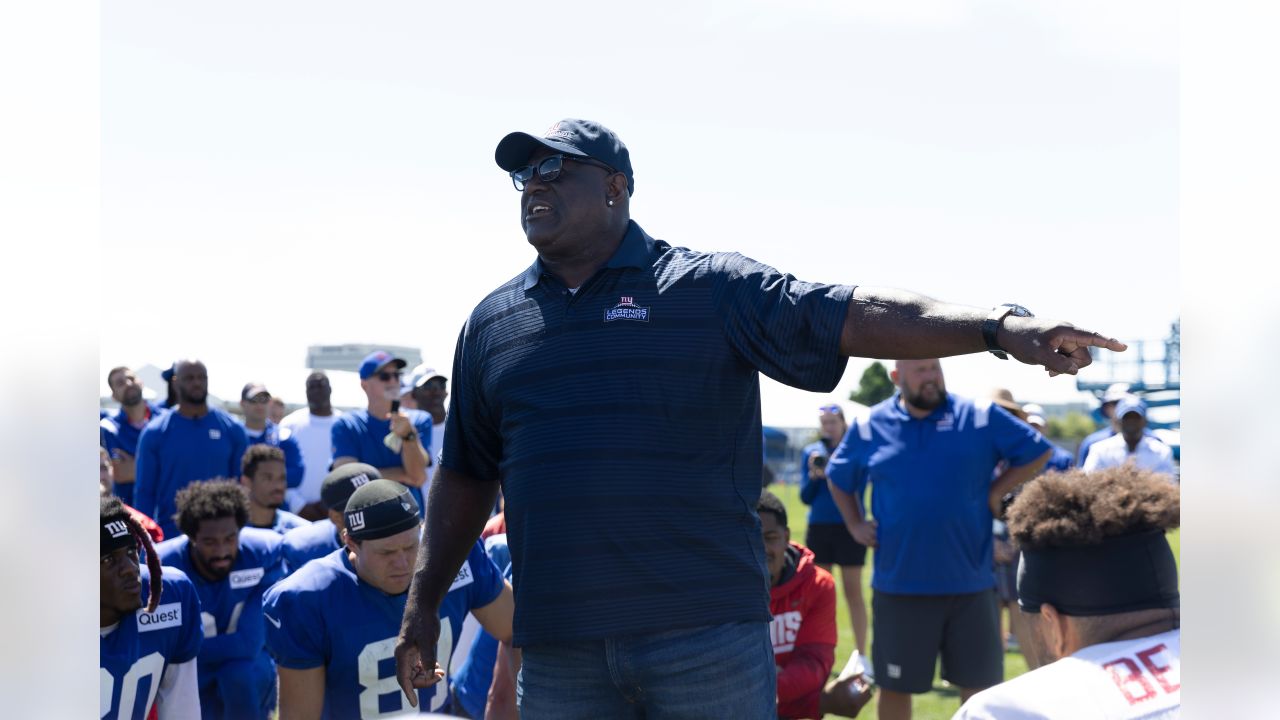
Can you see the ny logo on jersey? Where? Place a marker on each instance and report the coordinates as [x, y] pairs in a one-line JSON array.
[[117, 528], [358, 480], [355, 521]]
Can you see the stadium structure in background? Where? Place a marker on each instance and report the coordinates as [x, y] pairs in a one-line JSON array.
[[1153, 371], [347, 357]]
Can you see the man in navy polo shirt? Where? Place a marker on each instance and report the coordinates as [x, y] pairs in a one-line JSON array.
[[612, 392], [393, 442], [189, 443], [120, 431], [932, 459]]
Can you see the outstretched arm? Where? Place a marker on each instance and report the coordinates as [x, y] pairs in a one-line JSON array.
[[901, 325], [457, 507]]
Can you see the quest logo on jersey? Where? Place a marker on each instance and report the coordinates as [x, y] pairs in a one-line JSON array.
[[241, 579], [464, 577], [166, 616]]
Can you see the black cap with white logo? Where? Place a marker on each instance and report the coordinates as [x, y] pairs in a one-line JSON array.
[[339, 484], [380, 508]]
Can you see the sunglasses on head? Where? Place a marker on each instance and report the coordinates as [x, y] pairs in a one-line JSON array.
[[548, 169]]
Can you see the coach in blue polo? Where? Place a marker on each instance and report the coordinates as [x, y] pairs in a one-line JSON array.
[[939, 465], [612, 392]]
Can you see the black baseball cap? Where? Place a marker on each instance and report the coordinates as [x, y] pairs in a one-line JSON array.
[[337, 486], [380, 508], [582, 138]]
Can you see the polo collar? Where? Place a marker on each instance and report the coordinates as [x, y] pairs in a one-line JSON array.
[[635, 251]]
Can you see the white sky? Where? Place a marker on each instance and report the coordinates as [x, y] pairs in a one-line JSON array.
[[288, 173]]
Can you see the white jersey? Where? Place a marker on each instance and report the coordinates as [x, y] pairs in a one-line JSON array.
[[1124, 680]]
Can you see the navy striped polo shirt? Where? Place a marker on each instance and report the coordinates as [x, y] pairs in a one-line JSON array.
[[624, 423]]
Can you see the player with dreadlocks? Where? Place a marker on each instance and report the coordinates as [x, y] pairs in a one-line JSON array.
[[1098, 584], [147, 655]]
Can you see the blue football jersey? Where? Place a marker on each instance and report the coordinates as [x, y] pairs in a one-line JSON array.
[[132, 658], [231, 609], [309, 542], [471, 682], [325, 616]]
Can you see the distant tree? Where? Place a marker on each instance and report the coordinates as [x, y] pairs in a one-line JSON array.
[[874, 385], [1070, 428]]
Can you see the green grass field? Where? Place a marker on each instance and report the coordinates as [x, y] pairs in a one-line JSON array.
[[943, 701]]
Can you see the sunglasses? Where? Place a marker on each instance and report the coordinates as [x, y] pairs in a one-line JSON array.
[[548, 169], [385, 376]]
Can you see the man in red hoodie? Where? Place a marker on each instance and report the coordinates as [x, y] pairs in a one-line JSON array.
[[802, 600]]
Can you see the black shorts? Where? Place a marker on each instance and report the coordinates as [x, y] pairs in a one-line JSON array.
[[910, 631], [1007, 580], [833, 545]]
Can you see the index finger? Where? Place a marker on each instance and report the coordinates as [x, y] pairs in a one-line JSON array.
[[408, 665]]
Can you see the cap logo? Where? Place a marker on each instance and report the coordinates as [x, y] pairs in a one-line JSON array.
[[358, 480], [355, 521], [406, 507], [552, 130], [117, 528]]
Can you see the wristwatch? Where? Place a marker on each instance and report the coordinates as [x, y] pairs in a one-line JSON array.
[[991, 325]]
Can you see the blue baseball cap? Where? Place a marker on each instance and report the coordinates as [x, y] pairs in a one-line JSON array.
[[376, 360], [167, 373], [582, 138], [1131, 403]]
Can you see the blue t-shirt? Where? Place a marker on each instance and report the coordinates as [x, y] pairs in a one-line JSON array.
[[117, 435], [932, 477], [471, 682], [814, 491], [132, 658], [324, 615], [308, 542], [231, 609], [623, 421], [360, 436], [175, 451], [274, 436]]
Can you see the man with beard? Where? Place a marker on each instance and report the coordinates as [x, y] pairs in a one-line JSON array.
[[231, 566], [190, 443], [426, 389], [263, 477], [312, 427], [120, 431], [931, 457], [1098, 585]]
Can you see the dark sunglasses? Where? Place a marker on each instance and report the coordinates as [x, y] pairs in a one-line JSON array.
[[548, 169], [385, 376]]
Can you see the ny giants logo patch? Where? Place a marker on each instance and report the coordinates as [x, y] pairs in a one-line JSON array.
[[117, 528], [627, 309]]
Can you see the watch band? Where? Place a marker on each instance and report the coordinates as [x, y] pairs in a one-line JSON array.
[[991, 326]]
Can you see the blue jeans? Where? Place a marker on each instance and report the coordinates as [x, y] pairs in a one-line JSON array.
[[720, 671]]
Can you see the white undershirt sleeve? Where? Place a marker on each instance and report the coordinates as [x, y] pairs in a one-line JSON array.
[[179, 694]]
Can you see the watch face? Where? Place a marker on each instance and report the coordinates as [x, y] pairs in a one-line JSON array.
[[1018, 310]]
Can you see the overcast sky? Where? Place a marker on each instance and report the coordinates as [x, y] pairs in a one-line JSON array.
[[282, 174]]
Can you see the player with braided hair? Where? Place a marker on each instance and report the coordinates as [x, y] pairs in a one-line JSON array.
[[147, 655], [1098, 584]]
